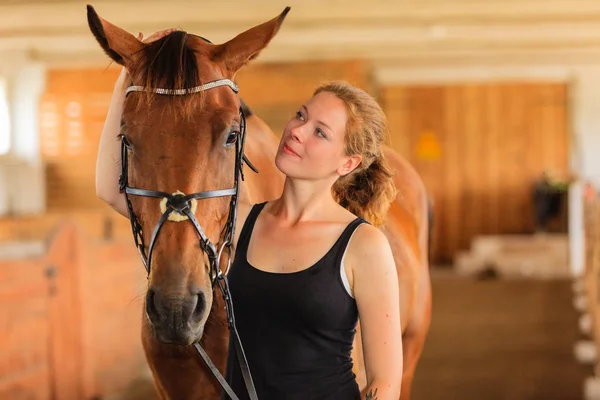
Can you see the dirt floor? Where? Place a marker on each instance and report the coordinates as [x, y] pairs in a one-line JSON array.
[[496, 339], [500, 339]]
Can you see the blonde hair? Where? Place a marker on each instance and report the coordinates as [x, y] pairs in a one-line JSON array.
[[369, 189]]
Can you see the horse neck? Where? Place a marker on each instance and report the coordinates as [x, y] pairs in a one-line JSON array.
[[261, 147]]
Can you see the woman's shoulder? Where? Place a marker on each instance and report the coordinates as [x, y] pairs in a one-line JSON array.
[[368, 237], [368, 243]]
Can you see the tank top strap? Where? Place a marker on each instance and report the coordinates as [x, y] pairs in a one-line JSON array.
[[248, 227], [344, 240]]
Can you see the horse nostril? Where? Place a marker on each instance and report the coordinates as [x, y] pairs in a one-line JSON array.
[[150, 305], [200, 306]]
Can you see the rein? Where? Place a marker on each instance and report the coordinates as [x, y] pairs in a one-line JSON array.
[[180, 205]]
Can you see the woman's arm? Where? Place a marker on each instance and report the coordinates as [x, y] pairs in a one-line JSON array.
[[375, 288], [108, 163]]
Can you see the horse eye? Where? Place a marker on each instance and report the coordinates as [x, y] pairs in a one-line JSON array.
[[232, 138]]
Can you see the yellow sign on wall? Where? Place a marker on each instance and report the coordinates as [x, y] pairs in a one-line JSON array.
[[428, 147]]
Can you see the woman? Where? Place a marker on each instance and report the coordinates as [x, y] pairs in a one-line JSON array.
[[310, 263], [307, 266]]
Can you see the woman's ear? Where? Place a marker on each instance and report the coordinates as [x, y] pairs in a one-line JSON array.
[[350, 164]]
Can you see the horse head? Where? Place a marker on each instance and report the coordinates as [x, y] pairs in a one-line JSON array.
[[181, 132]]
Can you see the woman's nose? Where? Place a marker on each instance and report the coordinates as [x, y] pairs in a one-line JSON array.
[[297, 133]]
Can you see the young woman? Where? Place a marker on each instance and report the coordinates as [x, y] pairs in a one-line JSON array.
[[307, 264], [312, 262]]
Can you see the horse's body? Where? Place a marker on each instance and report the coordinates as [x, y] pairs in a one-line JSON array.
[[178, 371]]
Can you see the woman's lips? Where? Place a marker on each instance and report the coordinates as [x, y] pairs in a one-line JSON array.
[[287, 149]]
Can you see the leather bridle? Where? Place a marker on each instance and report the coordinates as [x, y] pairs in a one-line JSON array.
[[181, 204]]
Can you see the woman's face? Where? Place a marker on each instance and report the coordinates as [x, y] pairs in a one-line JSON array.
[[312, 143]]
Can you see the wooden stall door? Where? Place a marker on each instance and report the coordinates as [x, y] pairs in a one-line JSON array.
[[25, 371], [40, 355], [479, 148], [113, 308], [66, 351]]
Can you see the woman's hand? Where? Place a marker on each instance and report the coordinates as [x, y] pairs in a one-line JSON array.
[[156, 35]]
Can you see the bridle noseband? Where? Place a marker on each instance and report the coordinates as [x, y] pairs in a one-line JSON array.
[[181, 204]]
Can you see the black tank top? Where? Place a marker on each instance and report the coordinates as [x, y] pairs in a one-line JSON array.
[[296, 328]]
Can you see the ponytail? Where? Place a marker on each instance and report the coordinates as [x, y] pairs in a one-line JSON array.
[[367, 192]]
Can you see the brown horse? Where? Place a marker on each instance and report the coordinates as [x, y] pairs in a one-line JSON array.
[[177, 143]]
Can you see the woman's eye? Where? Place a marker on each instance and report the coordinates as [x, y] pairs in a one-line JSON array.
[[320, 133], [299, 115]]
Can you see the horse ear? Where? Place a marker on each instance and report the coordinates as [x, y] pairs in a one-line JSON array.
[[117, 43], [246, 46]]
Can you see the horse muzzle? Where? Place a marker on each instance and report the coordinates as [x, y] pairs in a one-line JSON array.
[[177, 320]]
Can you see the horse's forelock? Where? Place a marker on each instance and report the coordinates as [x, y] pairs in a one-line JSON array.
[[169, 63]]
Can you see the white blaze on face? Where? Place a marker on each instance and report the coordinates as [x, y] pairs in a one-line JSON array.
[[175, 216]]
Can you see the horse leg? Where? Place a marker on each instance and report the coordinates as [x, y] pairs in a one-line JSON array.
[[415, 333]]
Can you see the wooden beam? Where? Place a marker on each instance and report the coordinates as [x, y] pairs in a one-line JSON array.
[[380, 30]]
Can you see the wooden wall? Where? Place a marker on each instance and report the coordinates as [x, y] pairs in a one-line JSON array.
[[25, 371], [276, 91], [71, 319], [479, 148], [72, 113]]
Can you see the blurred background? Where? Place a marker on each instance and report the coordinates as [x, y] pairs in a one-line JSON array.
[[495, 102]]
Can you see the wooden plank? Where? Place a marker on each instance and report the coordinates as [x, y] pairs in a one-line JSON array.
[[270, 84], [113, 310], [76, 334], [96, 225], [72, 114], [451, 215], [24, 363], [398, 119], [496, 140], [67, 363], [493, 139], [276, 90], [84, 80], [474, 186]]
